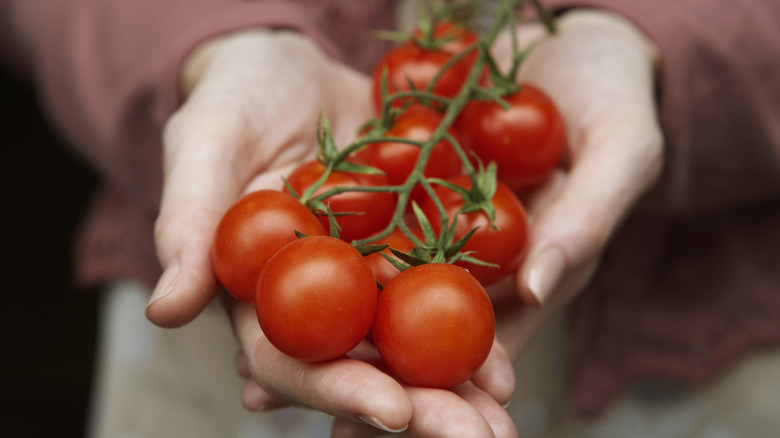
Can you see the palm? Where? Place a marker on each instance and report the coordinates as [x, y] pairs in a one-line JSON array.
[[243, 126]]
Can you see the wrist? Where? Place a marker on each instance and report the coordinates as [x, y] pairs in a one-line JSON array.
[[200, 57]]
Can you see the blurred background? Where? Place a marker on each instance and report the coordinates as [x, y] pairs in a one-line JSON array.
[[48, 325]]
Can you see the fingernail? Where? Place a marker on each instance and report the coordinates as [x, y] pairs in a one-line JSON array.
[[544, 272], [167, 282], [378, 424]]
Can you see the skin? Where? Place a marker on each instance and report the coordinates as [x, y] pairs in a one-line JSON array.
[[232, 136]]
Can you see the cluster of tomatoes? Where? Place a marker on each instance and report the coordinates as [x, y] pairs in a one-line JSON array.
[[394, 237]]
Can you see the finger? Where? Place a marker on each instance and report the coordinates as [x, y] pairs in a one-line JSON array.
[[442, 413], [496, 377], [343, 388], [196, 193], [256, 399], [494, 413], [242, 365]]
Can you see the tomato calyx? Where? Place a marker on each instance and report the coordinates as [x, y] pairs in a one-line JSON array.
[[441, 248], [479, 196], [365, 249], [333, 158]]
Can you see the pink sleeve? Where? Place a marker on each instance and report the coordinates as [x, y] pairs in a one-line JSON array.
[[679, 298], [108, 70], [719, 96]]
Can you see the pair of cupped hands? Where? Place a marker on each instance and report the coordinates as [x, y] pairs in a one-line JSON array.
[[253, 101]]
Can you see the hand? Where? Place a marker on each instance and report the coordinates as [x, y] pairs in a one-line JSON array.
[[365, 400], [599, 69], [253, 102]]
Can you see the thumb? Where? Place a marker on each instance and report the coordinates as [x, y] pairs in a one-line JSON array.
[[199, 186], [621, 158]]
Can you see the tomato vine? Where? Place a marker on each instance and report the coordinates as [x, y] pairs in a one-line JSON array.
[[475, 87]]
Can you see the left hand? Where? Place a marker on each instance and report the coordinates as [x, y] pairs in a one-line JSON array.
[[600, 70]]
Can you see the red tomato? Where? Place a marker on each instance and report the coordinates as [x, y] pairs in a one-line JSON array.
[[384, 271], [397, 160], [316, 298], [251, 231], [434, 325], [411, 63], [375, 208], [504, 245], [526, 141]]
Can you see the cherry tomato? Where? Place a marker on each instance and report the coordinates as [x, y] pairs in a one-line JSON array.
[[251, 231], [410, 63], [397, 160], [434, 325], [526, 141], [504, 245], [375, 208], [316, 298], [384, 271]]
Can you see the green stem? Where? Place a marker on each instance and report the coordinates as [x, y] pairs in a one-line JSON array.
[[512, 23], [450, 62], [469, 169], [343, 189], [388, 100], [362, 142], [501, 20], [546, 16], [308, 193]]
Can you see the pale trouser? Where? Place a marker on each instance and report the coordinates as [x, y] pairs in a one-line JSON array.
[[172, 383]]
